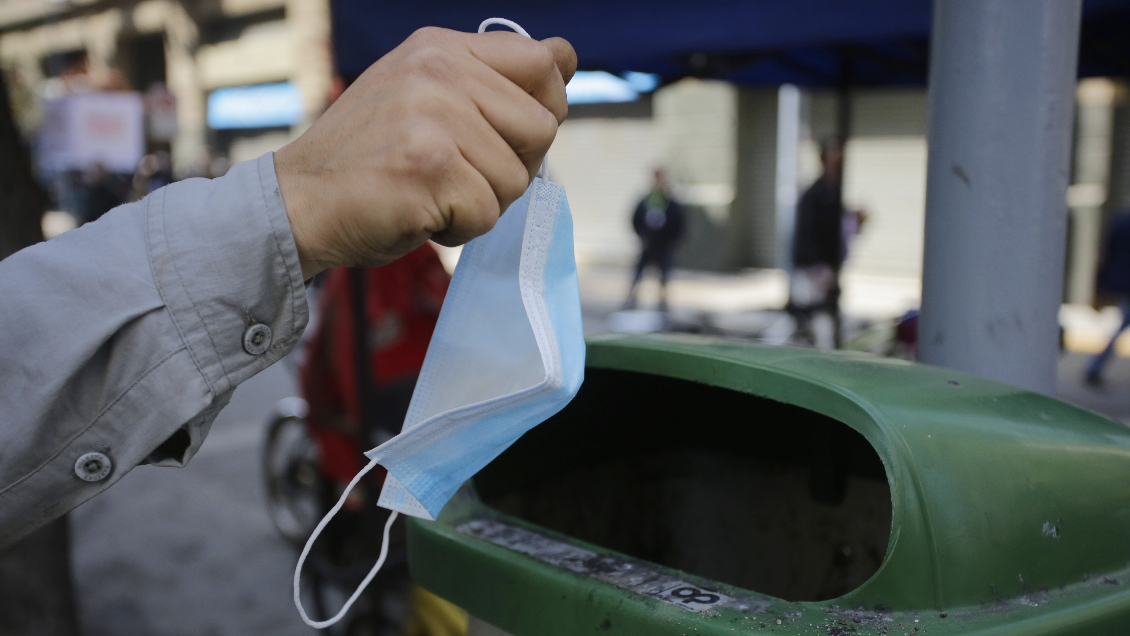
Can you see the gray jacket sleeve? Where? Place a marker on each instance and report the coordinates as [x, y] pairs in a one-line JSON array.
[[122, 339]]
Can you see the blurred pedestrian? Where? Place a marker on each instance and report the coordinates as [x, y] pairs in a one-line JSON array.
[[101, 194], [140, 185], [658, 221], [154, 171], [163, 171], [219, 166], [1114, 278], [820, 244]]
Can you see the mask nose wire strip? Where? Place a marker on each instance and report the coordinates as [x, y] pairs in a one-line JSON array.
[[310, 542], [514, 26]]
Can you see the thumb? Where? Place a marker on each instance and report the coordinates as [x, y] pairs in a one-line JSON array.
[[564, 56]]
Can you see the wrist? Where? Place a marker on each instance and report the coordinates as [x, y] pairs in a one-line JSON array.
[[299, 212]]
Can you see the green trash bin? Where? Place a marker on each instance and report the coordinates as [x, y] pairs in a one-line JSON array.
[[708, 487]]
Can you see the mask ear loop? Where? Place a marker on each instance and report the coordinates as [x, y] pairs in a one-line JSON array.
[[510, 24], [310, 542], [514, 26]]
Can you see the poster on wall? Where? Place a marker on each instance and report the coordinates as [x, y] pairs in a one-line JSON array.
[[161, 113], [81, 130]]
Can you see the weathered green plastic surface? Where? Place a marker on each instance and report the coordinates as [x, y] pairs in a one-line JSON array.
[[1011, 510]]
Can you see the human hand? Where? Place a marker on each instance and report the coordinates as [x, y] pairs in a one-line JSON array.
[[434, 141]]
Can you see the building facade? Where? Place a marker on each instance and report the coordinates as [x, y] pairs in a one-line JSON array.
[[198, 49]]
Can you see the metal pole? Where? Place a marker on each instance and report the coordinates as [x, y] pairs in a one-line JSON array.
[[1001, 95], [788, 146]]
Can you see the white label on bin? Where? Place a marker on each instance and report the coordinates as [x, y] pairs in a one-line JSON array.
[[687, 596], [633, 576]]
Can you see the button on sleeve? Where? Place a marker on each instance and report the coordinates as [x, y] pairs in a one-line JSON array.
[[257, 339], [93, 467], [237, 296]]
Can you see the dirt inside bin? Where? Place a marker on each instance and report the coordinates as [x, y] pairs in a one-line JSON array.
[[766, 496]]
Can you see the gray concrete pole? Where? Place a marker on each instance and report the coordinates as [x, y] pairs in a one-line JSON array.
[[1001, 95]]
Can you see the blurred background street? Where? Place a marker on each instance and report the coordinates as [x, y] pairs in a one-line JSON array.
[[710, 161]]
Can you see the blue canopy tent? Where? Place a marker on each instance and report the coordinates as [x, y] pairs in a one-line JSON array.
[[812, 43], [840, 44]]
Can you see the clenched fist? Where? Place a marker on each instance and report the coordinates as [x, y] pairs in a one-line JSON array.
[[434, 141]]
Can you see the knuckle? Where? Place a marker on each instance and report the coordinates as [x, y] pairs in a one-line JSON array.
[[560, 111], [541, 59], [543, 129], [480, 213], [488, 215], [426, 34], [484, 222], [424, 220], [515, 183], [433, 61], [428, 152]]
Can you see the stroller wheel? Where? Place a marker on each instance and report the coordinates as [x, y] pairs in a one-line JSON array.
[[290, 470]]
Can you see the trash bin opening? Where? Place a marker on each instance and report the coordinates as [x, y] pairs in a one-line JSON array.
[[770, 497]]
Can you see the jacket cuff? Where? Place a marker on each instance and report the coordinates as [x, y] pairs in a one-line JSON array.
[[227, 269]]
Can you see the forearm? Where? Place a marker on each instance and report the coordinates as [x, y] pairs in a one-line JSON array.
[[126, 336]]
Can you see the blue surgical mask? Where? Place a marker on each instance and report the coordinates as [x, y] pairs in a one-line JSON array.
[[507, 353]]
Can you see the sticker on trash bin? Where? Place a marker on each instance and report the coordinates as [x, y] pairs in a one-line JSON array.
[[633, 576], [687, 596]]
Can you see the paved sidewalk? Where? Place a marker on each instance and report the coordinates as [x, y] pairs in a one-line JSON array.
[[1111, 398], [190, 551]]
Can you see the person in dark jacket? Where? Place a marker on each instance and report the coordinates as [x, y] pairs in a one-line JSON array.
[[1114, 277], [820, 241], [819, 238], [658, 221], [101, 196]]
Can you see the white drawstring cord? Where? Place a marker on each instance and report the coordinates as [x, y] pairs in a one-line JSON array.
[[310, 542], [543, 172], [510, 24]]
